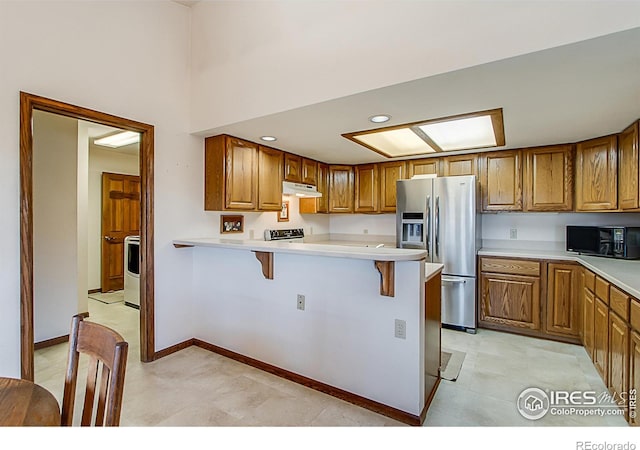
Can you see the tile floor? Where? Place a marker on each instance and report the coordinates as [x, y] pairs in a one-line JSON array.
[[195, 387]]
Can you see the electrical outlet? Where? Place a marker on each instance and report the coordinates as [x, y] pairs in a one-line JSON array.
[[513, 233], [310, 230], [250, 234], [301, 302], [401, 329], [365, 231]]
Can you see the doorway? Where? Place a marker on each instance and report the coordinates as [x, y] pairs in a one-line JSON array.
[[28, 104]]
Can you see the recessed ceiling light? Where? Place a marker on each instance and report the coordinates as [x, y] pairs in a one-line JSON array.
[[119, 139], [482, 129], [269, 138], [380, 118]]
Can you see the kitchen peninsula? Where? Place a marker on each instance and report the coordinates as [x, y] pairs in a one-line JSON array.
[[353, 322]]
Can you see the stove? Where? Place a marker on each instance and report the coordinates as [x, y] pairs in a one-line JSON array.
[[291, 235]]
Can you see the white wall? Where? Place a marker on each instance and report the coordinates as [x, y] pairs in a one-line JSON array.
[[55, 222], [365, 225], [63, 56], [102, 160], [253, 58]]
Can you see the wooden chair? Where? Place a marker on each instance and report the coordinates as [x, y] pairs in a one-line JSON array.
[[104, 347]]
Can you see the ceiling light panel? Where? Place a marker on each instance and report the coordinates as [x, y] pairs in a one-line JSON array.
[[395, 143], [119, 140], [472, 132]]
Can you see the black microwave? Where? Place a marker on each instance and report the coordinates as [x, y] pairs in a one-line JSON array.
[[612, 242]]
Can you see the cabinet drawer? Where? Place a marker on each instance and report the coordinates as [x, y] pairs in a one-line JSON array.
[[590, 280], [635, 314], [602, 290], [619, 302], [510, 266]]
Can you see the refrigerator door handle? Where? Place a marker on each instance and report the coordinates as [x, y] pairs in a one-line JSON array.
[[446, 279], [437, 226], [428, 227]]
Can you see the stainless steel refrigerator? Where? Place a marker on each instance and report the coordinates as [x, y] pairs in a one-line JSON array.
[[439, 215]]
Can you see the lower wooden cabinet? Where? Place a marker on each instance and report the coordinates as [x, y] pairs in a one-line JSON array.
[[634, 373], [562, 315], [588, 311], [601, 338], [618, 358], [510, 300]]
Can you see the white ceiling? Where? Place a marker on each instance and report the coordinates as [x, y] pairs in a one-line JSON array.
[[565, 94], [96, 131]]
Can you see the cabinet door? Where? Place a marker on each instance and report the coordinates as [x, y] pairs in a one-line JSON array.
[[562, 299], [309, 171], [588, 314], [340, 189], [269, 179], [510, 300], [292, 168], [241, 174], [601, 338], [548, 178], [501, 181], [425, 166], [460, 165], [323, 187], [367, 186], [596, 174], [628, 168], [618, 357], [390, 173], [634, 373]]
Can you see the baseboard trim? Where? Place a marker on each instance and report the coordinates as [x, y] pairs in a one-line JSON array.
[[51, 342], [355, 399], [174, 348], [94, 291]]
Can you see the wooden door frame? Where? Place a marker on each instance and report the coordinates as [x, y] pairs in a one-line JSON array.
[[29, 103]]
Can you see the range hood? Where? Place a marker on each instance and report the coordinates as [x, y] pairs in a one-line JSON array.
[[299, 189]]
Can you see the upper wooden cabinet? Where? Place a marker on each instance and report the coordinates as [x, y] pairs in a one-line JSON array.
[[596, 174], [390, 172], [548, 178], [320, 204], [367, 187], [501, 181], [231, 168], [425, 166], [340, 189], [460, 165], [628, 173], [270, 163], [292, 168], [309, 171]]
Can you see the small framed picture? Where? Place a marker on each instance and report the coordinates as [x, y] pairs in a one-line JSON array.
[[231, 224], [283, 216]]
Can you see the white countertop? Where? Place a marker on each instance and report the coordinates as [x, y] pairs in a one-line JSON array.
[[431, 269], [623, 273], [334, 251]]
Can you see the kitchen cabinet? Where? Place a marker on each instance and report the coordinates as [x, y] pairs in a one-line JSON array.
[[318, 205], [501, 181], [548, 178], [618, 357], [292, 168], [562, 308], [309, 171], [367, 187], [634, 371], [425, 166], [601, 338], [628, 163], [341, 189], [460, 165], [588, 311], [596, 186], [231, 167], [270, 166], [390, 172], [509, 294]]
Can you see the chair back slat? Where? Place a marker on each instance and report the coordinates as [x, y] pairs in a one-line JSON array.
[[107, 349]]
